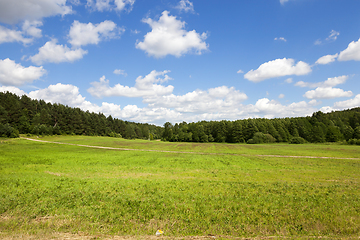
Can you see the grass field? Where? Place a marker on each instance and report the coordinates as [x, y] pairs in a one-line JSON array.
[[48, 188]]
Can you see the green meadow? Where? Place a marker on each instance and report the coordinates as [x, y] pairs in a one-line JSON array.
[[192, 189]]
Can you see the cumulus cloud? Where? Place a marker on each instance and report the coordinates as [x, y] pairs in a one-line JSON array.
[[168, 37], [220, 99], [272, 108], [352, 52], [318, 42], [8, 35], [82, 34], [280, 39], [289, 80], [121, 4], [144, 86], [15, 74], [31, 28], [278, 68], [240, 71], [333, 35], [186, 6], [15, 11], [327, 59], [120, 72], [54, 53], [66, 94], [330, 82], [327, 93], [351, 103], [108, 5], [12, 89]]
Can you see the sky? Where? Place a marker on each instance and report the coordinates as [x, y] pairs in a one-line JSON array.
[[157, 61]]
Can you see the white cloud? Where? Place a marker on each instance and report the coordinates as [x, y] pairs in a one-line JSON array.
[[240, 71], [272, 108], [75, 2], [326, 109], [31, 28], [327, 93], [121, 4], [15, 74], [7, 35], [168, 37], [66, 94], [54, 53], [352, 52], [15, 11], [289, 80], [108, 5], [333, 35], [83, 34], [318, 42], [283, 1], [330, 82], [351, 103], [280, 39], [120, 72], [100, 5], [281, 95], [144, 86], [220, 99], [327, 59], [278, 68], [186, 6], [12, 89]]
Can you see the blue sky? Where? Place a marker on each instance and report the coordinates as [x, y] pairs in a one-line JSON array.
[[155, 61]]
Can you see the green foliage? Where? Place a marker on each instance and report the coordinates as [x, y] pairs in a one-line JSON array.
[[354, 141], [7, 131], [357, 132], [297, 140], [260, 137]]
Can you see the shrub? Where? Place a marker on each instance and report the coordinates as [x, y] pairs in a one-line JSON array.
[[354, 141], [260, 137], [250, 141], [297, 140]]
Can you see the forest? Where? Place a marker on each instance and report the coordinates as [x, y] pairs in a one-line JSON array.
[[23, 115]]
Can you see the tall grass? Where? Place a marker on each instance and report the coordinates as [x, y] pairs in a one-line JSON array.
[[61, 188]]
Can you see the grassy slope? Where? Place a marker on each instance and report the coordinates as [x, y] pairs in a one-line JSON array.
[[61, 188]]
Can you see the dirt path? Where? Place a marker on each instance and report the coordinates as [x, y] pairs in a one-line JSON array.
[[201, 153]]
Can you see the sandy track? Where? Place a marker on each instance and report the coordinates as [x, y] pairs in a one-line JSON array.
[[201, 153]]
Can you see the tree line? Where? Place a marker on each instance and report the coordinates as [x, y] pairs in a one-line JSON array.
[[23, 115], [320, 127]]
